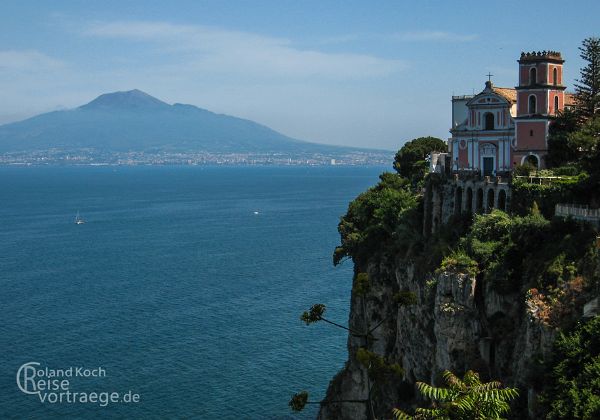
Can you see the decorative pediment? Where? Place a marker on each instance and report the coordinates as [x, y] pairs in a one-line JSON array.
[[487, 98], [487, 149], [493, 95]]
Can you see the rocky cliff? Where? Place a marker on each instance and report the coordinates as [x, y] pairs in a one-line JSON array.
[[457, 323], [458, 288]]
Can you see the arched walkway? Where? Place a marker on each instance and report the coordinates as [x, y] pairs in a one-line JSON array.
[[490, 200], [479, 204], [502, 200], [469, 201], [458, 201]]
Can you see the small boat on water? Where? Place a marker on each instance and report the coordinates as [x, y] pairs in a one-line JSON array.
[[78, 219]]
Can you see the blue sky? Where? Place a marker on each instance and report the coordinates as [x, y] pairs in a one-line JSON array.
[[369, 73]]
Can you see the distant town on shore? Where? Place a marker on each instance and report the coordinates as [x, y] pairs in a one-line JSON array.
[[93, 157]]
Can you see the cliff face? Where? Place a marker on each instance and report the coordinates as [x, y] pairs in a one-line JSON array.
[[458, 323]]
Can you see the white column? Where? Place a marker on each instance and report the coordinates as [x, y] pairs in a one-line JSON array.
[[455, 154]]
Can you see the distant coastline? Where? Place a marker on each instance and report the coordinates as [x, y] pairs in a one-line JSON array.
[[91, 157]]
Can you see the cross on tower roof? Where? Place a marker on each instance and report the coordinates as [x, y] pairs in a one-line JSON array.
[[489, 76]]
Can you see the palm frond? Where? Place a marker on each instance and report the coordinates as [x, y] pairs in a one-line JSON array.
[[453, 381], [433, 393], [466, 398], [400, 415]]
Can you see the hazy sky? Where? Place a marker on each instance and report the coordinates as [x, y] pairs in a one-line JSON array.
[[369, 73]]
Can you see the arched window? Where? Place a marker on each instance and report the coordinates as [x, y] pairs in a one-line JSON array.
[[555, 76], [489, 121], [556, 103], [533, 76], [469, 203], [532, 104], [479, 203]]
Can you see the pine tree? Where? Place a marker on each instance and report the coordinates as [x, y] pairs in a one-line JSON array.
[[588, 86]]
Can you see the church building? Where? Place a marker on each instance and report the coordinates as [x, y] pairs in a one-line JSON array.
[[500, 128]]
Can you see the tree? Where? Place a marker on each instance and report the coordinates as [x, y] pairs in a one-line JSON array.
[[588, 86], [574, 382], [465, 399], [586, 141], [375, 219], [560, 150], [410, 159], [379, 370], [564, 146]]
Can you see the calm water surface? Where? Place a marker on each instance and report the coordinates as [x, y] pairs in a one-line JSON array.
[[174, 286]]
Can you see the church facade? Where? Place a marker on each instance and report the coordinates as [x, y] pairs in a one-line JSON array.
[[500, 128]]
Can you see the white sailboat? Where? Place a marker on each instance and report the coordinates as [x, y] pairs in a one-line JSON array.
[[78, 219]]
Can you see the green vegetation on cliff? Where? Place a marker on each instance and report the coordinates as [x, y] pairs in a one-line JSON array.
[[410, 161], [573, 389], [384, 218], [518, 253], [566, 189]]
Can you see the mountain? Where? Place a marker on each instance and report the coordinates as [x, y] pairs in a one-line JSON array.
[[136, 121], [133, 99]]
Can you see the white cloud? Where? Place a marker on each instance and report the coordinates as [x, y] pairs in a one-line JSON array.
[[27, 60], [217, 50], [434, 36]]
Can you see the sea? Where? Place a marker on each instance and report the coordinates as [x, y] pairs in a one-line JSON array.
[[179, 297]]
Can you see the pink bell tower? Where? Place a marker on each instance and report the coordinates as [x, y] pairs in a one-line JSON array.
[[540, 96]]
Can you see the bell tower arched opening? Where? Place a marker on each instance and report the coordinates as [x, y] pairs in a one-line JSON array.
[[533, 76]]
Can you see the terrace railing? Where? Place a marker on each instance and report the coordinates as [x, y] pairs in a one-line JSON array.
[[578, 212]]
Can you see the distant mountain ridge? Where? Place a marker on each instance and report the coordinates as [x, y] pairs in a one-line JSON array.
[[135, 121]]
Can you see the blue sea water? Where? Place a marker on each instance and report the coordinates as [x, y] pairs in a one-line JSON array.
[[174, 286]]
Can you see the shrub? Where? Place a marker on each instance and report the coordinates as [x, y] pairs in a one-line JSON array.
[[378, 368], [548, 194], [573, 390], [525, 169], [491, 227], [405, 298], [361, 284], [383, 218], [567, 170], [459, 262]]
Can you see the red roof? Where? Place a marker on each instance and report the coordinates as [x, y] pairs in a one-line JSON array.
[[570, 99], [510, 94]]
